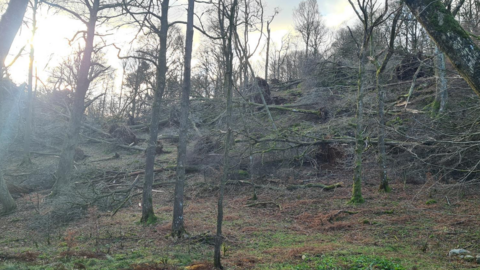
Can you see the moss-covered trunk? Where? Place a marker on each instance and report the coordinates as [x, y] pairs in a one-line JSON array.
[[450, 37]]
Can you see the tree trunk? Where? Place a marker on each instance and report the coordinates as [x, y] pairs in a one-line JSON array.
[[382, 156], [29, 119], [359, 140], [9, 24], [65, 165], [6, 199], [441, 94], [228, 52], [450, 37], [178, 225], [148, 215], [382, 162], [268, 51]]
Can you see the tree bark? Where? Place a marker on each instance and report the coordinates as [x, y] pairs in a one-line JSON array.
[[450, 37], [65, 165], [178, 220], [441, 94], [9, 24], [148, 215]]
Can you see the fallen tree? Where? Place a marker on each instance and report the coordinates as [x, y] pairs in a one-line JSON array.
[[450, 37]]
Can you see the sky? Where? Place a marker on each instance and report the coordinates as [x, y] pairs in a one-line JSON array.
[[54, 30]]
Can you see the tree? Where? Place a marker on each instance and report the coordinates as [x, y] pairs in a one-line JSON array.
[[309, 24], [450, 37], [9, 24], [89, 17], [370, 17], [380, 68], [6, 199], [228, 15], [134, 80], [29, 112], [178, 225], [147, 12]]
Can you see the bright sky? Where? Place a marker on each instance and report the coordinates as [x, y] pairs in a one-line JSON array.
[[54, 29]]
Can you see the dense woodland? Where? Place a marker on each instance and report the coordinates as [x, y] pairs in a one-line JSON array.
[[350, 149]]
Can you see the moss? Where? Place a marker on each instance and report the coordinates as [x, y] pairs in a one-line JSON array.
[[431, 201], [443, 21], [152, 219], [384, 187], [357, 200], [434, 108], [243, 174], [295, 93]]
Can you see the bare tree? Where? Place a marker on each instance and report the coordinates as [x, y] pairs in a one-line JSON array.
[[144, 13], [89, 17], [178, 221], [309, 24], [370, 16], [381, 66], [29, 111], [268, 44], [134, 80], [225, 14]]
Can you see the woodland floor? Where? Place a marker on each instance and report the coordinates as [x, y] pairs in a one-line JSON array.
[[413, 227]]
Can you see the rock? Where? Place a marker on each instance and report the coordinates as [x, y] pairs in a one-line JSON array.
[[469, 258], [456, 252]]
